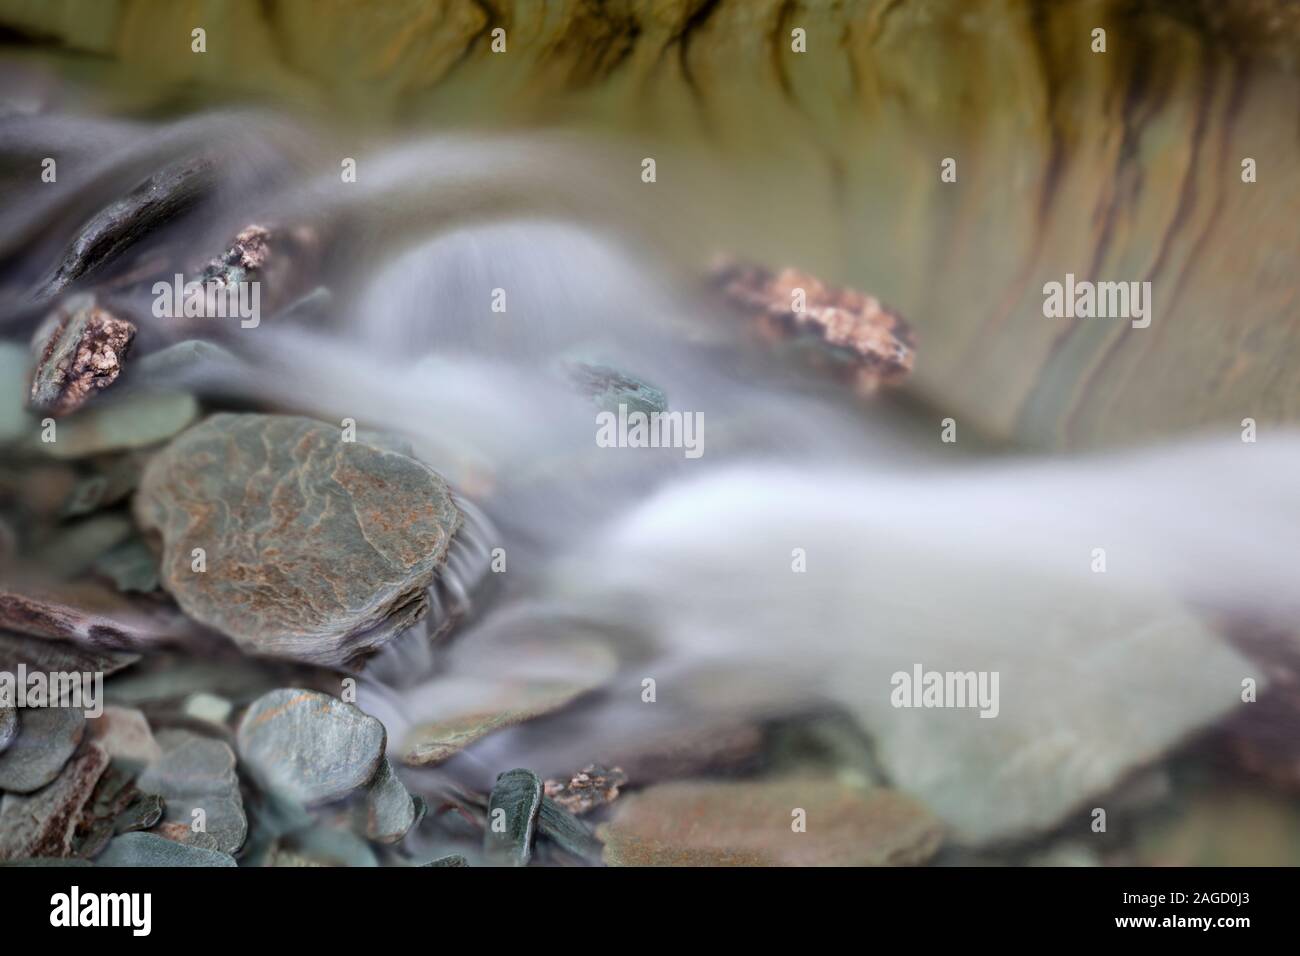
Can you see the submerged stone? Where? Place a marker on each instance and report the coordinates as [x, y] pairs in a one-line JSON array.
[[309, 746], [790, 821], [197, 773], [454, 859], [512, 817], [312, 544], [521, 681], [608, 388]]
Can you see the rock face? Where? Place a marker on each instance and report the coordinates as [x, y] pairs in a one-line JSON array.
[[313, 547]]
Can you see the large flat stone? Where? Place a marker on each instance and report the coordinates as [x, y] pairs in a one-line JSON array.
[[312, 543]]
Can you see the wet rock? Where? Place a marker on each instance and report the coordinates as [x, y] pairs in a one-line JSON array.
[[752, 823], [208, 708], [594, 786], [608, 388], [131, 566], [567, 832], [527, 681], [15, 363], [115, 807], [842, 332], [309, 746], [314, 546], [387, 811], [149, 849], [512, 818], [8, 725], [181, 361], [58, 655], [275, 257], [124, 733], [197, 773], [80, 350], [718, 748], [134, 420], [47, 738], [110, 482], [45, 823], [455, 859], [323, 846], [77, 547], [1221, 826], [158, 200], [100, 621]]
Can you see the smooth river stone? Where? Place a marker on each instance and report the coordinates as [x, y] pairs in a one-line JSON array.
[[512, 818], [309, 746], [47, 738], [387, 811], [197, 773], [134, 420], [314, 546], [750, 823], [149, 849]]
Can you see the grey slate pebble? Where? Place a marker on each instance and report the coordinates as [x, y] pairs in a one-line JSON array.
[[309, 746]]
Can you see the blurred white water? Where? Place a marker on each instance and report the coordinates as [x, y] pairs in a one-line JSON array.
[[684, 567]]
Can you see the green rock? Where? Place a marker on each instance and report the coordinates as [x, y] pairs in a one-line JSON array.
[[15, 361], [310, 747], [568, 832], [455, 859], [512, 817], [131, 566], [197, 773], [316, 548], [387, 811], [134, 420], [47, 738], [608, 388], [149, 849]]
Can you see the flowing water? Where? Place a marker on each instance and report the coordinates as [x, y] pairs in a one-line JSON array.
[[960, 557]]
